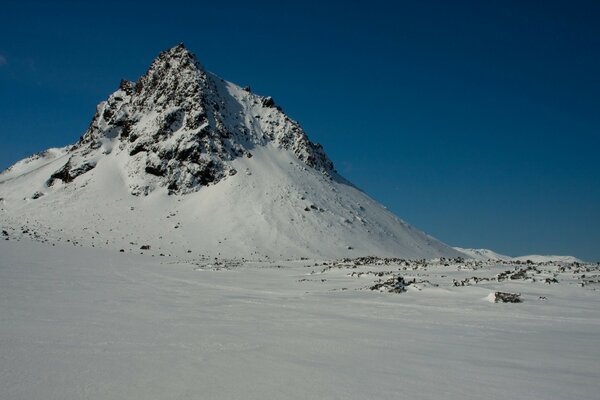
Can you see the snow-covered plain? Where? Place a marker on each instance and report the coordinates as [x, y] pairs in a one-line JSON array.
[[85, 323]]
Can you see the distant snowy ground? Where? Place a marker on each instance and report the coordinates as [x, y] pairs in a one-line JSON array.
[[490, 255], [79, 323]]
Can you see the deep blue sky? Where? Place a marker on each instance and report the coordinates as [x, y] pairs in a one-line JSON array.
[[478, 122]]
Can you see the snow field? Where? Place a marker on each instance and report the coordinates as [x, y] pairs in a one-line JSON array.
[[98, 324]]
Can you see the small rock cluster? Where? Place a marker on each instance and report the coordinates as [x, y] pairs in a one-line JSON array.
[[505, 297]]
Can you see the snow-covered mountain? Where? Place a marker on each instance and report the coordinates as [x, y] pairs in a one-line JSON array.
[[483, 254], [182, 161], [490, 255], [537, 258]]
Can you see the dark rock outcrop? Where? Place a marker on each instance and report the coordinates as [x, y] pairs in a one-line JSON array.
[[182, 126]]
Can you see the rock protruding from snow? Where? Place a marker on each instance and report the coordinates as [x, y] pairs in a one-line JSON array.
[[182, 126], [504, 297], [68, 172]]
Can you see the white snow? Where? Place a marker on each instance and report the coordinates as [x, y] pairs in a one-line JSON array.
[[280, 210], [487, 255], [482, 254], [547, 258], [81, 323]]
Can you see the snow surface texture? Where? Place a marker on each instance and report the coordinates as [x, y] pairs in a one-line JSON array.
[[80, 323], [183, 161]]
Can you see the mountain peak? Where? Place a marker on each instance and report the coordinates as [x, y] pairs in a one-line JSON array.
[[182, 127], [177, 56], [178, 47]]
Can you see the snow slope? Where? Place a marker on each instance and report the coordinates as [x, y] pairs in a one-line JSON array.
[[548, 258], [80, 323], [482, 254], [487, 255], [184, 161]]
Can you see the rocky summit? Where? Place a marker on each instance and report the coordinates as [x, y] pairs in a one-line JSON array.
[[181, 127]]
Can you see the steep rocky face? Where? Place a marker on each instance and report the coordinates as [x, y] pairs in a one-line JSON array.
[[182, 126]]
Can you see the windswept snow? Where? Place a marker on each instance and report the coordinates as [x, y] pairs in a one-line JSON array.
[[546, 258], [81, 323], [487, 255], [482, 254]]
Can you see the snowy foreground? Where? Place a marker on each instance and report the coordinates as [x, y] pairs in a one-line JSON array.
[[79, 323]]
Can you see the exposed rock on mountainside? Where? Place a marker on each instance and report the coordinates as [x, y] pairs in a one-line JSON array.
[[181, 127]]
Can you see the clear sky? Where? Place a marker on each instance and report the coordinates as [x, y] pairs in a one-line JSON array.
[[476, 121]]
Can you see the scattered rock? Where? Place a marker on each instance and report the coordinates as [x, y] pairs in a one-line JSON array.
[[505, 297], [268, 101], [67, 172], [395, 284]]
